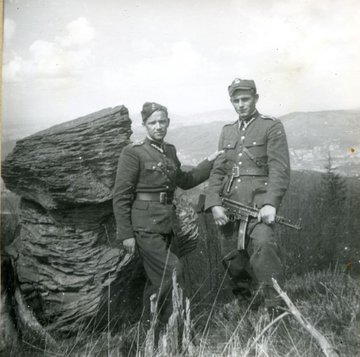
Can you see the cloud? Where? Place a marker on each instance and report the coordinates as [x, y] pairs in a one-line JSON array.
[[46, 58], [80, 32], [12, 70], [180, 66], [9, 29], [57, 61], [296, 43]]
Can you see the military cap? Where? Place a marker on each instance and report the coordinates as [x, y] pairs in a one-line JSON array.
[[151, 107], [241, 84]]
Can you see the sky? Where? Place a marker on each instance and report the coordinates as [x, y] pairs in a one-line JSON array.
[[64, 59]]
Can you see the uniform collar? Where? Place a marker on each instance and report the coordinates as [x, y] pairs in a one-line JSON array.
[[244, 123], [155, 144], [252, 116]]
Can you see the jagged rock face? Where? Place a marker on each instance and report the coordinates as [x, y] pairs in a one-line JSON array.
[[63, 256], [69, 164]]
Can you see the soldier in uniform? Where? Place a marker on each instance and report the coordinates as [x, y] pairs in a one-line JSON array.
[[254, 170], [147, 176]]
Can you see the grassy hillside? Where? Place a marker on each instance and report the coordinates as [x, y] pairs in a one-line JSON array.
[[329, 301]]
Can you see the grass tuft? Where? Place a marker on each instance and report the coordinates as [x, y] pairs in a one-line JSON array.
[[329, 300]]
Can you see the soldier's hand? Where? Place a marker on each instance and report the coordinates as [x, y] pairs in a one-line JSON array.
[[219, 214], [129, 245], [267, 214], [214, 155]]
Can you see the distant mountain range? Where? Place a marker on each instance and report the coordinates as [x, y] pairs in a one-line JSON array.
[[308, 130], [312, 136]]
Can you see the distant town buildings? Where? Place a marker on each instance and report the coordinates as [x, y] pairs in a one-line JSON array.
[[345, 160]]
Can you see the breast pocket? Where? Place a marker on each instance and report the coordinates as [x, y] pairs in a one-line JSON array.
[[229, 144], [257, 147], [151, 166], [229, 147], [152, 171]]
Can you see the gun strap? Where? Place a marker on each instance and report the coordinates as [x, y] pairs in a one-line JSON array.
[[161, 167], [253, 158], [242, 233]]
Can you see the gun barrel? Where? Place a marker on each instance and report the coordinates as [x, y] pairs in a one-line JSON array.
[[287, 223], [228, 201], [252, 211]]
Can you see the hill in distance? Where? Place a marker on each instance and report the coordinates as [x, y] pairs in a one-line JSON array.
[[308, 130], [311, 136]]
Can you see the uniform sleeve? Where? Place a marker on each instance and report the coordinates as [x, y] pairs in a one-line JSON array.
[[124, 191], [278, 165], [196, 176], [217, 176], [221, 140]]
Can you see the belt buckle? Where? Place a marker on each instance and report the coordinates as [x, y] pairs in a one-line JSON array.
[[163, 197], [235, 171]]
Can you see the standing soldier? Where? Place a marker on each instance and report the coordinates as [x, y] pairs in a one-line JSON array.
[[254, 170], [147, 176]]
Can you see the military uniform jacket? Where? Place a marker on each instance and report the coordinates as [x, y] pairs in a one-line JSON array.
[[260, 153], [143, 168]]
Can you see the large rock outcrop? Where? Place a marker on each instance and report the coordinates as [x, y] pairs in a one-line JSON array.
[[69, 164], [63, 256]]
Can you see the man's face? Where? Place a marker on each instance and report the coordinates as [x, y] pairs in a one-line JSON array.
[[156, 125], [244, 103]]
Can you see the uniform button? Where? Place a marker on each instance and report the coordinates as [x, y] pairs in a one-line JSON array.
[[167, 187], [239, 180], [240, 153], [254, 143], [240, 162], [236, 187], [265, 183], [228, 145], [154, 167]]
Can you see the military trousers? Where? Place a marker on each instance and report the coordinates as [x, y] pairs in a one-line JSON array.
[[159, 263], [255, 266]]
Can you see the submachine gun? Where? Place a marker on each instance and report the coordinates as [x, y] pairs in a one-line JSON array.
[[239, 211]]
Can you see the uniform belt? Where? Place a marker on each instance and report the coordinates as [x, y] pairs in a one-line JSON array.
[[256, 171], [162, 197]]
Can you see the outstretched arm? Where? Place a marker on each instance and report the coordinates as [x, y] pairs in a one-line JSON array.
[[217, 176], [196, 176]]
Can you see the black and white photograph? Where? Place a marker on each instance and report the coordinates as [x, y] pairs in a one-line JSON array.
[[180, 178]]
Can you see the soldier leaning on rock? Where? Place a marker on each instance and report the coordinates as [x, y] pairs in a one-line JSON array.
[[147, 176], [254, 170]]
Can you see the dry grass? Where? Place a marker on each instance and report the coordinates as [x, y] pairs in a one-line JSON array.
[[328, 300]]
